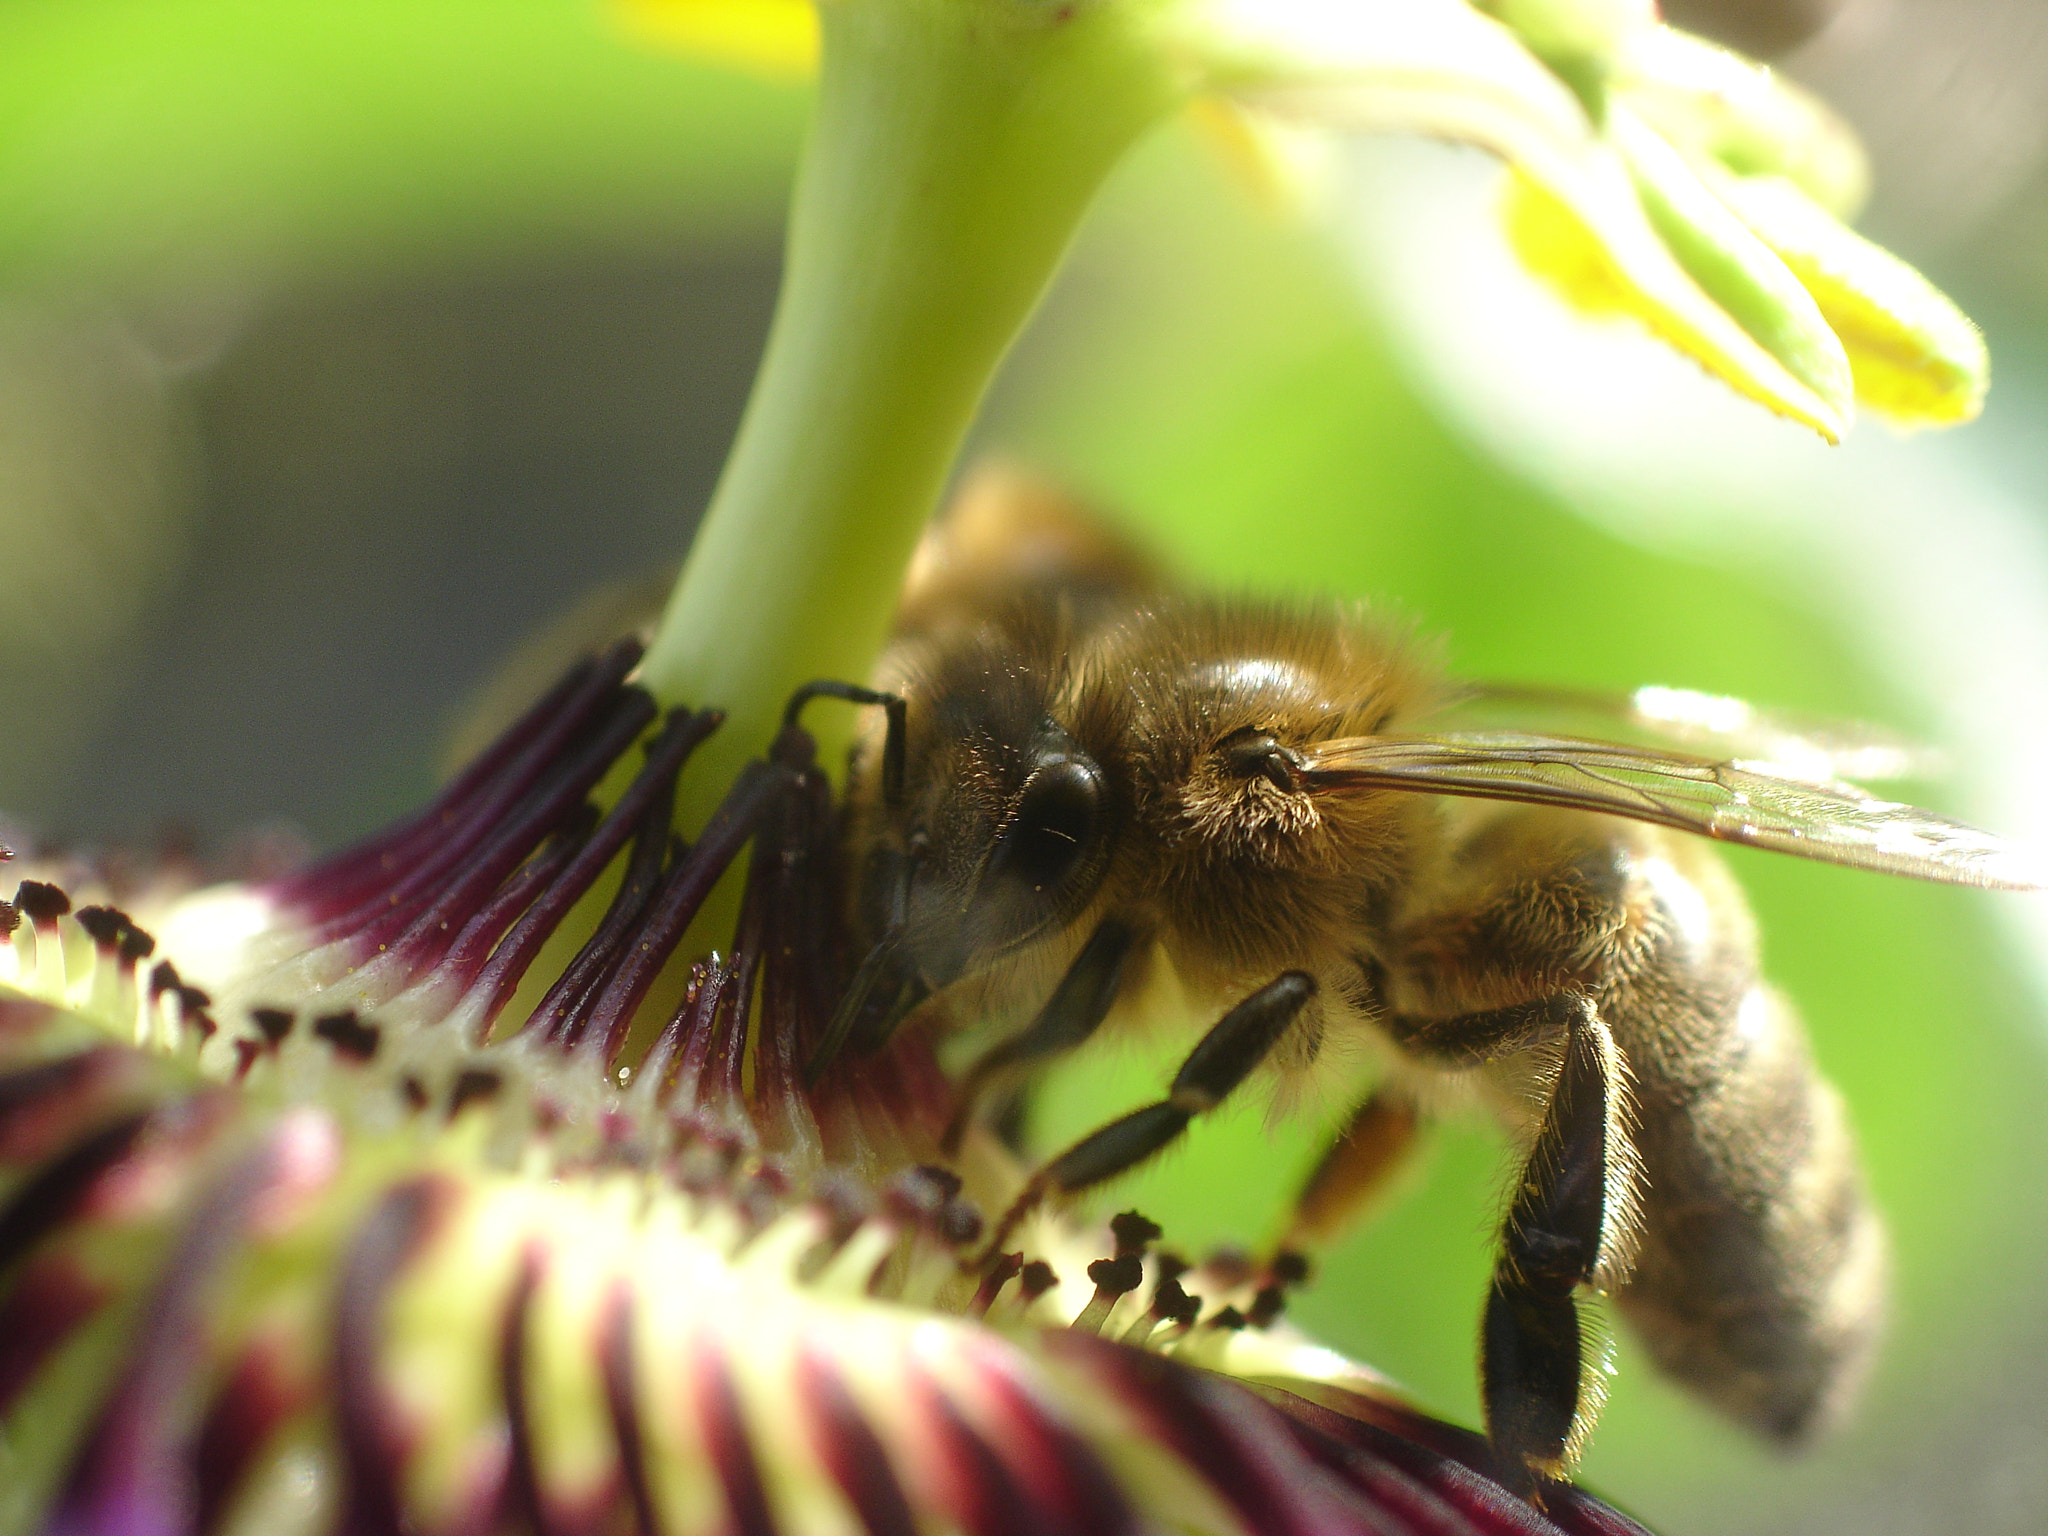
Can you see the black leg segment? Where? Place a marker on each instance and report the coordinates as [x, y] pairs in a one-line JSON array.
[[1240, 1040], [881, 993], [883, 988], [1223, 1058], [891, 705], [1570, 1225], [1075, 1010]]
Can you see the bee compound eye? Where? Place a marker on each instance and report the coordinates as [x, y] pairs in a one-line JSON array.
[[1056, 824], [1254, 753]]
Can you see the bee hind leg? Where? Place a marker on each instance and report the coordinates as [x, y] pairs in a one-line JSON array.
[[1222, 1059], [1382, 1130], [1569, 1225]]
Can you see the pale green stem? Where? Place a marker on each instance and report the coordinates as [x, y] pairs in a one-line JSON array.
[[955, 146]]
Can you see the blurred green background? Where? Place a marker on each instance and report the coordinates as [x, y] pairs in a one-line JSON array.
[[343, 344]]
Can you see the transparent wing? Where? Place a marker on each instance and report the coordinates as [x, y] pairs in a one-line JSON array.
[[1707, 725], [1737, 802]]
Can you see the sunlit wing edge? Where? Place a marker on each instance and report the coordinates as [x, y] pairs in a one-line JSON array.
[[1734, 802], [1706, 725]]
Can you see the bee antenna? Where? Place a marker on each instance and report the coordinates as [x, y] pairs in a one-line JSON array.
[[891, 705]]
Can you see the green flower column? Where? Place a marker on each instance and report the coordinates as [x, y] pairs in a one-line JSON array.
[[956, 145]]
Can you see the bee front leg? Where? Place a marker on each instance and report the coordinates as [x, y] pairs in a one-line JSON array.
[[1074, 1012], [1222, 1059], [1569, 1225]]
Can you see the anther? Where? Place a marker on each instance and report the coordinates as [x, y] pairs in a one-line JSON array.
[[472, 1084], [1267, 1305], [1134, 1232], [1001, 1271], [275, 1023], [960, 1223], [948, 1183], [845, 1202], [1171, 1307], [41, 904], [761, 1196], [1034, 1280], [105, 926], [920, 1194], [1229, 1266], [1114, 1279], [349, 1035]]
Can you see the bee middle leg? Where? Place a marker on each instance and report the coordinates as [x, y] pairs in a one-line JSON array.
[[1353, 1169], [1221, 1059]]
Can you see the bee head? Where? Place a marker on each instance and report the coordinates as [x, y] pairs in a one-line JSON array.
[[1007, 822]]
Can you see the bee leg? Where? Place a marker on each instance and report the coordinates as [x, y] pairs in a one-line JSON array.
[[1222, 1059], [1382, 1129], [892, 705], [1473, 1039], [1568, 1226], [1075, 1010], [881, 977], [1356, 1166], [878, 977]]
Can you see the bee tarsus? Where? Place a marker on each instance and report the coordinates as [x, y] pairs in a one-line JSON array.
[[1074, 1012], [892, 707]]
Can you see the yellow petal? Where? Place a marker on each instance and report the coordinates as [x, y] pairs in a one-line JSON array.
[[1440, 68], [1915, 356], [1715, 104], [778, 38], [1738, 270], [1606, 276]]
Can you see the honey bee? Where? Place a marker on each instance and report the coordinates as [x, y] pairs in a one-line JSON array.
[[1086, 775]]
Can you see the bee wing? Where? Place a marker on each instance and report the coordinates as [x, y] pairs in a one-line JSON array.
[[1737, 802], [1706, 725]]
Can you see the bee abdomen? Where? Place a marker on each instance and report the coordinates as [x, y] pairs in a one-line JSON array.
[[1760, 1278]]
